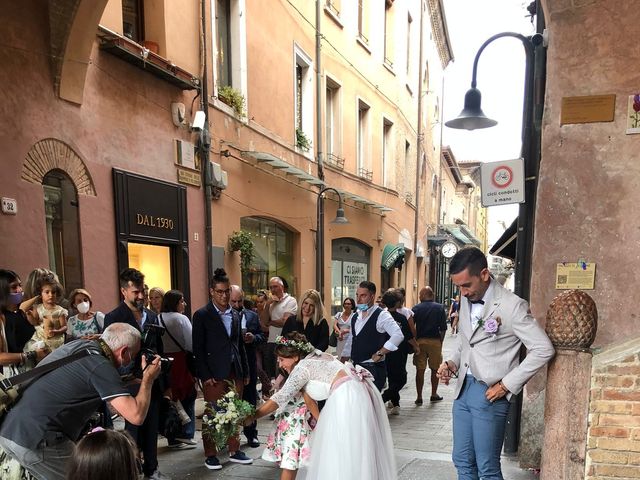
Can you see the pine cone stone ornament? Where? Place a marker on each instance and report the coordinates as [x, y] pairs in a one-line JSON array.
[[572, 320]]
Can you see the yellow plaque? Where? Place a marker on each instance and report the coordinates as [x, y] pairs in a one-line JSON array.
[[578, 275], [189, 177], [589, 109]]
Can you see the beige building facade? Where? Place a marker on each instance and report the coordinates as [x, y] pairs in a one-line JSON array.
[[109, 169]]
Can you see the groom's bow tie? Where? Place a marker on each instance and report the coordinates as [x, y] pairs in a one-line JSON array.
[[481, 302]]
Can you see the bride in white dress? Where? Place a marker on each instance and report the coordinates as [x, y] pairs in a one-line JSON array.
[[352, 439]]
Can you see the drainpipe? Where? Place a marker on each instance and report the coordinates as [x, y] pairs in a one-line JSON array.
[[319, 92], [204, 143], [418, 152]]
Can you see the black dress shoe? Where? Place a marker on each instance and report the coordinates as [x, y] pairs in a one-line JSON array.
[[253, 442]]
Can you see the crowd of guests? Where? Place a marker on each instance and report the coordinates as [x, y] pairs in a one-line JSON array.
[[231, 340]]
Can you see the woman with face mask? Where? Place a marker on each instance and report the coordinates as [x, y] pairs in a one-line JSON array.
[[86, 324], [15, 329]]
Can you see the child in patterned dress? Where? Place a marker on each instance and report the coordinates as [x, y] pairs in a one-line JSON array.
[[53, 318]]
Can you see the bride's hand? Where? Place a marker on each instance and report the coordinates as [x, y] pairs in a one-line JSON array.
[[249, 420]]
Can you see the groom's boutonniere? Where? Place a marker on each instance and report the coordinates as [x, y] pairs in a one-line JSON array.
[[491, 325]]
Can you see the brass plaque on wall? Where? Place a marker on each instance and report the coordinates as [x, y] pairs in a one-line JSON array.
[[189, 177], [580, 275], [588, 109]]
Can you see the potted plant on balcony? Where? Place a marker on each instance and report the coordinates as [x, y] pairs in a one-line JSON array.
[[302, 141], [240, 241], [232, 97]]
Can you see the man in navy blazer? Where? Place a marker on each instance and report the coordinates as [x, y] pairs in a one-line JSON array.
[[252, 336], [131, 310], [218, 346]]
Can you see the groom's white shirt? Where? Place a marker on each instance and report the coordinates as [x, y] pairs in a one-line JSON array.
[[494, 357]]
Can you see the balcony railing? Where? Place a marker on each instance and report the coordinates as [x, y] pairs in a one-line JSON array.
[[335, 161], [365, 174]]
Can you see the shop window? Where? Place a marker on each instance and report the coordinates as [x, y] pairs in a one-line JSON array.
[[349, 266], [154, 261], [63, 233], [273, 246]]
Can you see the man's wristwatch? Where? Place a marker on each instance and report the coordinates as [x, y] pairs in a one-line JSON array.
[[379, 354]]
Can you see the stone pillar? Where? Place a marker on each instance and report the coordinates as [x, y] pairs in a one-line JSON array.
[[566, 415]]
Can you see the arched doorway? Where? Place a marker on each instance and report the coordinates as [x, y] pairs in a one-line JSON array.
[[63, 228], [273, 245], [350, 261]]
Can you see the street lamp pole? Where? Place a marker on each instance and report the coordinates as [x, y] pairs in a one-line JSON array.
[[472, 117], [340, 219]]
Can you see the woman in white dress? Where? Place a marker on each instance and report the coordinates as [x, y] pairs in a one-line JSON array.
[[354, 412]]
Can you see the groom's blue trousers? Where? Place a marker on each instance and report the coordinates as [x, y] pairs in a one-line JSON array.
[[478, 432]]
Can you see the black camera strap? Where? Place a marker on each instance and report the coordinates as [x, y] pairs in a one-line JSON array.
[[37, 372], [171, 336]]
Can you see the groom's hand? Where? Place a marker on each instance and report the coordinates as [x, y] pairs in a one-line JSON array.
[[446, 371], [496, 392]]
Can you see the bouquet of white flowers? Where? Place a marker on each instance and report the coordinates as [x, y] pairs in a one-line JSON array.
[[223, 419]]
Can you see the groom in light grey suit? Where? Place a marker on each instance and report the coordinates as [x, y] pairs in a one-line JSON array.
[[493, 324]]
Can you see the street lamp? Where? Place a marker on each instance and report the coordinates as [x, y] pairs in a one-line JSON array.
[[340, 219], [472, 117]]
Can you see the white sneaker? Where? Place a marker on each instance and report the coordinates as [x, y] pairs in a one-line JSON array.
[[395, 411], [157, 475]]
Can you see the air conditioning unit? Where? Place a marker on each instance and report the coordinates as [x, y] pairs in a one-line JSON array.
[[219, 177]]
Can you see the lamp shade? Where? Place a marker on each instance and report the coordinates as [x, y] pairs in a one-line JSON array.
[[340, 218], [471, 117]]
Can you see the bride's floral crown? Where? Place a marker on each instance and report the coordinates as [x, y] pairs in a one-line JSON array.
[[304, 347]]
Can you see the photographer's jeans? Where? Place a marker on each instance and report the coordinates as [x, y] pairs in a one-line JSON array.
[[211, 394], [49, 462], [478, 432]]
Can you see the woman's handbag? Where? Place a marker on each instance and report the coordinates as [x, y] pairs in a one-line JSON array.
[[333, 339], [189, 358]]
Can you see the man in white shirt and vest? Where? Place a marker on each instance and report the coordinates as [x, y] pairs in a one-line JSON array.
[[374, 334]]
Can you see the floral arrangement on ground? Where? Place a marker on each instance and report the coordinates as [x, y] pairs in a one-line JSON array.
[[223, 419]]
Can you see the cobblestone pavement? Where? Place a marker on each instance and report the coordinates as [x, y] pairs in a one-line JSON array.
[[421, 435]]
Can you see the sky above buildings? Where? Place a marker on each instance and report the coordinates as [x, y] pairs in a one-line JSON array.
[[500, 79]]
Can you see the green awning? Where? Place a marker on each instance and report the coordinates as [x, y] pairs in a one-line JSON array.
[[390, 255]]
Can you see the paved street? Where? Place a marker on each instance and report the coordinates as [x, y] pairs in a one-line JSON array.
[[422, 439]]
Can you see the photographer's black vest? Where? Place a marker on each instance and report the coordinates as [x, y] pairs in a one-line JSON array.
[[368, 341]]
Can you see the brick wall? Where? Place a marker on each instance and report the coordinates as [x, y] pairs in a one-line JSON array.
[[613, 445]]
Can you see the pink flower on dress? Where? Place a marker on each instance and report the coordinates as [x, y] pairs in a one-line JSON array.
[[270, 441], [283, 425], [304, 453], [293, 454], [301, 410], [277, 452]]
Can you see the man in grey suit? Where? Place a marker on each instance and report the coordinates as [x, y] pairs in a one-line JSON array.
[[493, 324]]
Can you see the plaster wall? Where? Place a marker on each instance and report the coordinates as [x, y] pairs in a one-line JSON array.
[[589, 172], [124, 122], [587, 188]]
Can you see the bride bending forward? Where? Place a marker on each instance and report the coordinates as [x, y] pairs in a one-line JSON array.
[[352, 438]]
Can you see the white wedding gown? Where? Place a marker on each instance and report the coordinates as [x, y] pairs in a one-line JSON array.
[[352, 439]]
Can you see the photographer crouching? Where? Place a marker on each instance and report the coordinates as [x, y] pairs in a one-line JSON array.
[[131, 311], [40, 430]]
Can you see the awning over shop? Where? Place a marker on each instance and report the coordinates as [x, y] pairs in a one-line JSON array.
[[506, 244], [392, 255], [462, 234]]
